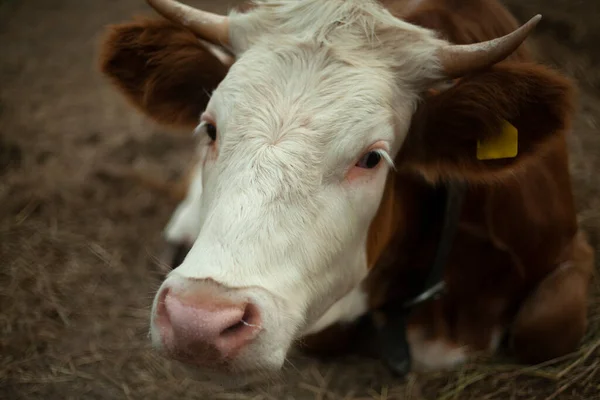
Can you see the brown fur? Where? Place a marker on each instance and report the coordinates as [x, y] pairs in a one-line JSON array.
[[556, 308], [443, 139], [162, 69], [518, 224]]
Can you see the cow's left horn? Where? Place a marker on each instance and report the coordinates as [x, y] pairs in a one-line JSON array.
[[211, 27], [458, 60]]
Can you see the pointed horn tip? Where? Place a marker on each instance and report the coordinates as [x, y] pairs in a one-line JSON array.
[[534, 20], [530, 25]]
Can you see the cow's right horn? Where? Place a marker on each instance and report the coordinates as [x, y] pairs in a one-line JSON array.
[[211, 27]]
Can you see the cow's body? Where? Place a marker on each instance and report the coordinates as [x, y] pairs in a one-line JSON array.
[[518, 266], [514, 236]]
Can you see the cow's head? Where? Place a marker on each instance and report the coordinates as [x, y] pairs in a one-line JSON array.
[[296, 143]]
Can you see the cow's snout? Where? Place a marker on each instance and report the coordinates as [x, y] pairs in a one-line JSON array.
[[205, 323]]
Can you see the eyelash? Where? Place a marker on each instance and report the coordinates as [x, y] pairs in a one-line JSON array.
[[369, 160]]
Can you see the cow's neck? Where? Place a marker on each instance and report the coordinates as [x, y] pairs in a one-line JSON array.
[[437, 212], [406, 227]]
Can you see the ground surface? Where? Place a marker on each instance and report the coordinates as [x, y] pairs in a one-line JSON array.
[[77, 247]]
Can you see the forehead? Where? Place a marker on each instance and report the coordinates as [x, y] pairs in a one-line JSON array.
[[282, 85]]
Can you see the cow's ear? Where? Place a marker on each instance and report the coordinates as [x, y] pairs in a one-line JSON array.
[[489, 124], [162, 69]]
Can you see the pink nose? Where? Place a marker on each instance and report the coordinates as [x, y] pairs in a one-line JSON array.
[[204, 325]]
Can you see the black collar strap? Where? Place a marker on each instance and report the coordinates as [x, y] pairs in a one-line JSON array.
[[391, 333], [434, 284]]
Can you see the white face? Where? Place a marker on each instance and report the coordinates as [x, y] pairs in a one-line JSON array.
[[282, 200]]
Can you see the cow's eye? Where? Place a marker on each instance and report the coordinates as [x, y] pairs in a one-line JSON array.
[[369, 160], [211, 131]]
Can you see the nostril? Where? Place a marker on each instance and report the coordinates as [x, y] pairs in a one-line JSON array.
[[251, 315], [233, 329], [250, 321]]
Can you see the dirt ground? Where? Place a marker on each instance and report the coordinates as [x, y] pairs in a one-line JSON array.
[[78, 247]]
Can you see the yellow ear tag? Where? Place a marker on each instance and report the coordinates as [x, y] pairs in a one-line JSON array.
[[504, 145]]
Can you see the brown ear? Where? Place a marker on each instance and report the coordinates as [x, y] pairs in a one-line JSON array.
[[163, 69], [442, 142]]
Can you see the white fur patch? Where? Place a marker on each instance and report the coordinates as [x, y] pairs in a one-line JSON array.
[[432, 355], [347, 309], [186, 222]]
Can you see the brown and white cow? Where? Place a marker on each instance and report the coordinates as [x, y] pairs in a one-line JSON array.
[[320, 149]]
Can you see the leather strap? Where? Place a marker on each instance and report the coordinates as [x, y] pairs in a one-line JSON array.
[[391, 333]]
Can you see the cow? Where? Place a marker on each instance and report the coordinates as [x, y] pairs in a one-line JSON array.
[[326, 130]]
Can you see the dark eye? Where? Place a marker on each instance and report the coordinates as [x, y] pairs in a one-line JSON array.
[[369, 160], [211, 131]]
